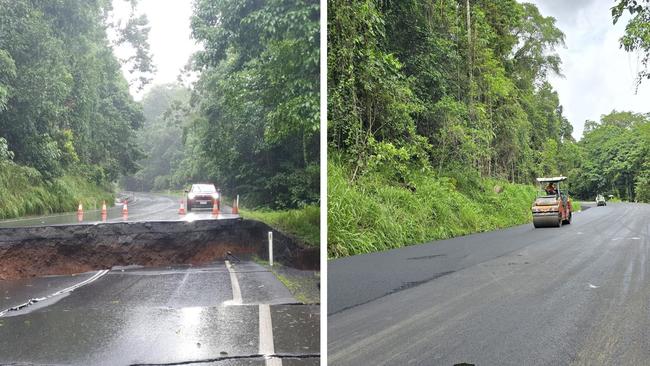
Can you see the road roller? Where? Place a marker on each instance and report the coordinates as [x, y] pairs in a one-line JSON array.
[[552, 206]]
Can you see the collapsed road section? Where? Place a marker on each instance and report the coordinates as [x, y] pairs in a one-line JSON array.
[[170, 293], [69, 249]]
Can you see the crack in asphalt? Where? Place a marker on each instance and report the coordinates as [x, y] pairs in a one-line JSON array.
[[404, 286], [300, 356], [427, 256]]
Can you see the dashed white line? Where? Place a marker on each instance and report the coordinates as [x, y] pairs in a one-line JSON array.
[[236, 291], [267, 348], [266, 345]]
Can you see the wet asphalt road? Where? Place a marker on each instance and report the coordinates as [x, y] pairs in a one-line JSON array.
[[160, 316], [575, 295], [141, 207]]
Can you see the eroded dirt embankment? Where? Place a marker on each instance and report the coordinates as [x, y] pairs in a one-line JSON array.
[[56, 250]]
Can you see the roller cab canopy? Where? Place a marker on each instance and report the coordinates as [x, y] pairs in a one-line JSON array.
[[551, 179]]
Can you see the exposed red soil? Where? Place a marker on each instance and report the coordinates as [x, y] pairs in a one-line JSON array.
[[36, 260]]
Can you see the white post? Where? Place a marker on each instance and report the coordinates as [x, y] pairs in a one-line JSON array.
[[271, 248]]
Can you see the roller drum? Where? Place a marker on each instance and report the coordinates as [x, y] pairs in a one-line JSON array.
[[546, 220]]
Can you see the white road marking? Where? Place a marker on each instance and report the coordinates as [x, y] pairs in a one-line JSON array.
[[267, 348], [74, 287], [630, 238], [592, 286], [236, 291], [65, 290]]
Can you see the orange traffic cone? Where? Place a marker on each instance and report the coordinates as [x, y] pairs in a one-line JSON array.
[[235, 206], [80, 213], [125, 211], [181, 210], [215, 207], [104, 212]]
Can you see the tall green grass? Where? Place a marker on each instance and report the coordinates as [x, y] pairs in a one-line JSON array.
[[576, 205], [302, 223], [24, 192], [374, 213]]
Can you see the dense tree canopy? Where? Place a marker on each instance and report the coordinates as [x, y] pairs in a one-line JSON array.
[[256, 104], [615, 157], [64, 103], [446, 84]]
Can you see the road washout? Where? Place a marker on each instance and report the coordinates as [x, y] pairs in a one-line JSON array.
[[70, 249]]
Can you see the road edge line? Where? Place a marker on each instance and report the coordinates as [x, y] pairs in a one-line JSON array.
[[234, 283]]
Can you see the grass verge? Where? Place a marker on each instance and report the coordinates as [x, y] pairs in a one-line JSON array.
[[302, 223], [576, 206], [24, 192], [375, 213]]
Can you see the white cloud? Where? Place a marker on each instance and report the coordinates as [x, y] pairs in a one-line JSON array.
[[599, 76]]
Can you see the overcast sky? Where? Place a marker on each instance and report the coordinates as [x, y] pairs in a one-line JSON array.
[[598, 75], [169, 36]]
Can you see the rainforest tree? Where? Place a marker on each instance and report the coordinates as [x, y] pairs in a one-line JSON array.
[[444, 84], [616, 157], [257, 100], [64, 104]]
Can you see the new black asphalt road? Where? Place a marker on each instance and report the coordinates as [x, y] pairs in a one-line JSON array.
[[218, 314], [575, 295], [141, 207]]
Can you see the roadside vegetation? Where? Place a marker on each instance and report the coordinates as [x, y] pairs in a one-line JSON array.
[[303, 223], [576, 205], [433, 104], [67, 119], [615, 158], [376, 213], [23, 191]]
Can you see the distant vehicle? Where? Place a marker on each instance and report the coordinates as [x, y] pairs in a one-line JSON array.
[[600, 200], [553, 206], [202, 196]]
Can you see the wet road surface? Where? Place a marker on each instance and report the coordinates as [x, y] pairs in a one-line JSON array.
[[235, 314], [141, 207], [575, 295]]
